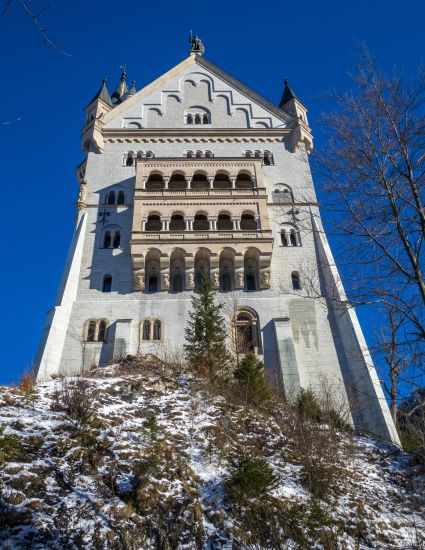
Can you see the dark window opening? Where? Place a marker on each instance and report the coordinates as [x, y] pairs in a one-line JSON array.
[[107, 283]]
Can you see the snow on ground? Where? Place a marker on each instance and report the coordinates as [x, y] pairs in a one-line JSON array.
[[159, 448]]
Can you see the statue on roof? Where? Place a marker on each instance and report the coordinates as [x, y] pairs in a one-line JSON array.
[[196, 44]]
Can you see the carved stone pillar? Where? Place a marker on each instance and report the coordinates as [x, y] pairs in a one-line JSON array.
[[189, 224], [165, 224], [166, 180], [233, 180], [210, 181], [236, 224], [213, 223], [144, 222], [164, 265]]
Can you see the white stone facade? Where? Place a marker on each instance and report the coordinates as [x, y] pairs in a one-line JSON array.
[[207, 176]]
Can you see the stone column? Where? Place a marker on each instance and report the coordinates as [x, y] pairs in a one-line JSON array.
[[213, 223], [233, 180], [236, 224], [144, 180], [189, 224], [258, 221], [144, 221], [166, 180], [211, 181], [165, 224]]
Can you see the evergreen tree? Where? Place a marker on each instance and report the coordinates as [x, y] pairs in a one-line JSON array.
[[205, 346], [251, 381]]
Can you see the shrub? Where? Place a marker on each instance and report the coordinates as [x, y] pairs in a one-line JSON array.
[[251, 477], [308, 407], [76, 400], [250, 380], [11, 447]]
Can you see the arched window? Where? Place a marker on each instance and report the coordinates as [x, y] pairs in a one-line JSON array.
[[153, 223], [224, 222], [107, 283], [117, 240], [248, 154], [257, 154], [198, 119], [177, 182], [198, 154], [111, 197], [227, 270], [244, 181], [177, 270], [189, 154], [284, 238], [222, 181], [146, 332], [139, 155], [107, 240], [152, 271], [130, 159], [149, 155], [208, 154], [189, 119], [91, 331], [252, 269], [293, 237], [205, 119], [199, 182], [201, 223], [157, 330], [121, 197], [177, 223], [248, 222], [202, 268], [246, 332], [101, 334], [155, 182], [296, 281]]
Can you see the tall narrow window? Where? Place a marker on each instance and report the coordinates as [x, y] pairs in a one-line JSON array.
[[101, 335], [284, 238], [107, 283], [117, 240], [296, 282], [189, 119], [91, 331], [198, 119], [107, 240], [146, 330], [121, 197], [205, 119], [157, 330], [111, 197], [293, 238], [130, 160]]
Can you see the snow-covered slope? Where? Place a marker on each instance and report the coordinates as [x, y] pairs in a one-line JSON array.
[[143, 458]]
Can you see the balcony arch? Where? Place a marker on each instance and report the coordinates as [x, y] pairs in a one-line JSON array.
[[202, 267], [252, 269], [246, 326], [153, 270], [153, 222], [244, 181], [224, 222], [200, 182], [200, 222], [177, 182], [177, 222], [177, 270], [248, 221], [155, 182], [222, 180], [227, 270]]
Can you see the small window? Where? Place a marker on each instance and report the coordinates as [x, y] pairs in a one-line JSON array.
[[296, 282], [198, 154], [130, 160], [189, 119], [111, 197], [189, 154], [107, 240], [208, 155], [117, 240], [121, 197], [91, 331], [198, 119], [268, 158], [248, 154], [149, 155], [293, 237], [101, 335], [157, 330], [205, 119], [146, 330], [107, 283], [284, 238]]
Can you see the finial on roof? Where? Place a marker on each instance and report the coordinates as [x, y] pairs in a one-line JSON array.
[[122, 90], [132, 90], [287, 95], [196, 44]]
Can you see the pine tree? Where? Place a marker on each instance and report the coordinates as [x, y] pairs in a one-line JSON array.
[[251, 381], [205, 346]]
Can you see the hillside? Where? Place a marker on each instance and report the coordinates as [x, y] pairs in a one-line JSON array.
[[148, 456]]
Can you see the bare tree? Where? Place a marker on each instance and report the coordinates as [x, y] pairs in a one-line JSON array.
[[374, 169]]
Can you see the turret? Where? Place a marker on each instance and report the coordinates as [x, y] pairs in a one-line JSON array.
[[92, 139], [301, 131], [121, 92]]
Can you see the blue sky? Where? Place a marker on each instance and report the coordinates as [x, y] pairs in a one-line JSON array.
[[43, 94]]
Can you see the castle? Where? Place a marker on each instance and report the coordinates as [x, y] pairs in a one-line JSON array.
[[196, 175]]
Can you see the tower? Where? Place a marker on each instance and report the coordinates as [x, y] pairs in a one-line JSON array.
[[196, 175]]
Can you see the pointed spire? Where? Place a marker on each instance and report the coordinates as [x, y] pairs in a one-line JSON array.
[[122, 89], [132, 90], [287, 95], [103, 94]]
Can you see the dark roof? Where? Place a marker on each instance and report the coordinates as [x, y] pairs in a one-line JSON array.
[[287, 95], [102, 94]]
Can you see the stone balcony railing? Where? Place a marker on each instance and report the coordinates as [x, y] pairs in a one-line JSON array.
[[190, 236], [207, 193]]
